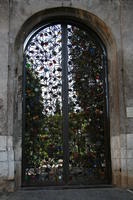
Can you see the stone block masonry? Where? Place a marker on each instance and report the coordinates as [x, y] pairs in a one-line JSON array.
[[6, 162]]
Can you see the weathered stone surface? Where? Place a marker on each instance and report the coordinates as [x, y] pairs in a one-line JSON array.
[[130, 153], [18, 166], [123, 141], [123, 153], [18, 153], [11, 155], [3, 143], [128, 49], [11, 170], [123, 165], [10, 141], [130, 178], [116, 164], [116, 178], [115, 153], [129, 141], [3, 169], [4, 25], [129, 125], [130, 164], [3, 156]]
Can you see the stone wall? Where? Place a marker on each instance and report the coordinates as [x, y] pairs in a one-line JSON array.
[[127, 59], [6, 140], [112, 20]]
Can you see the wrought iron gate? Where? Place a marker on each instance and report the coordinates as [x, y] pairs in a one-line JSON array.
[[65, 107]]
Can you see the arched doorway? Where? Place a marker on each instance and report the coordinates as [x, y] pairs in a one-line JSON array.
[[65, 107]]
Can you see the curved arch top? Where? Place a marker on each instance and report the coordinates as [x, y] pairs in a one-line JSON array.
[[66, 20], [84, 17]]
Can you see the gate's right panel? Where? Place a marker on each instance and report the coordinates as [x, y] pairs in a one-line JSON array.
[[88, 130]]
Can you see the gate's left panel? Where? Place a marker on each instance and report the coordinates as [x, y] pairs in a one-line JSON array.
[[42, 108]]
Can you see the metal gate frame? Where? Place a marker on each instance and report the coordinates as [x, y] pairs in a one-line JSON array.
[[65, 98]]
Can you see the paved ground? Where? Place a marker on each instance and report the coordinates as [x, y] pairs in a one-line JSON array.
[[70, 194]]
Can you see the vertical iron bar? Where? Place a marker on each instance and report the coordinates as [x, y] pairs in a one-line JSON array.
[[106, 122], [23, 118], [65, 102]]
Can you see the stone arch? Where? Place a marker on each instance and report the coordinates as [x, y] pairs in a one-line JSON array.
[[104, 33]]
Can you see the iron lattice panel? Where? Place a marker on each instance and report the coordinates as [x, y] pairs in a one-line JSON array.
[[65, 108]]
